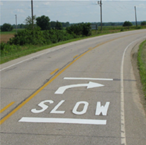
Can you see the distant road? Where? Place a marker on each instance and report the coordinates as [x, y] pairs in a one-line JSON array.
[[80, 93]]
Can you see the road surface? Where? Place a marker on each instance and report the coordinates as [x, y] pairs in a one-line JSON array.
[[80, 93]]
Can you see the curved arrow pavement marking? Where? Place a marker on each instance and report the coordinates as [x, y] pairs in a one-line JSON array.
[[62, 89]]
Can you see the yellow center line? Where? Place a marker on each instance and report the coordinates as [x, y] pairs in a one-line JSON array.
[[54, 71], [75, 56], [52, 79], [6, 107]]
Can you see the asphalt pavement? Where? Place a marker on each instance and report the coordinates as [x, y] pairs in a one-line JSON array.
[[80, 93]]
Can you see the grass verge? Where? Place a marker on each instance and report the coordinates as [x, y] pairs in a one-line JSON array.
[[142, 65], [28, 49]]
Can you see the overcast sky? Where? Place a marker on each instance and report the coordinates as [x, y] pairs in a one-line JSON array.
[[73, 11]]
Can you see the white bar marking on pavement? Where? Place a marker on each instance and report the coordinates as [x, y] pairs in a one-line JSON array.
[[62, 120], [92, 79]]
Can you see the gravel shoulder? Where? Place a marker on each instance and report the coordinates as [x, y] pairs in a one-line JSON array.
[[134, 54]]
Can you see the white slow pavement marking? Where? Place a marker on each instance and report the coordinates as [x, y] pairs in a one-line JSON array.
[[62, 120]]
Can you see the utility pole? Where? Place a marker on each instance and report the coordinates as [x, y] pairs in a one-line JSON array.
[[135, 16], [32, 13], [100, 4], [16, 22]]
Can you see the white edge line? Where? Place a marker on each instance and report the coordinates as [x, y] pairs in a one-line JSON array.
[[62, 120], [123, 130], [27, 59], [98, 79]]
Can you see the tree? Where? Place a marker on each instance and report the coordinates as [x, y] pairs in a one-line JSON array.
[[21, 26], [143, 23], [53, 24], [58, 26], [80, 29], [6, 27], [127, 23], [43, 22], [28, 22], [67, 24], [113, 24]]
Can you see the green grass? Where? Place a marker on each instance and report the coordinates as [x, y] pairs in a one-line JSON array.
[[142, 65], [28, 49], [10, 32], [115, 29]]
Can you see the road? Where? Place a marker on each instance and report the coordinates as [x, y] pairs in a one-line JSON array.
[[80, 93]]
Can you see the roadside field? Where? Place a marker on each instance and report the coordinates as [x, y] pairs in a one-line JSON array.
[[10, 32], [5, 37], [115, 29], [142, 65]]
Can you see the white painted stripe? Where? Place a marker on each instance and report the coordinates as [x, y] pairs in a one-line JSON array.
[[62, 120], [92, 79], [26, 60], [123, 130]]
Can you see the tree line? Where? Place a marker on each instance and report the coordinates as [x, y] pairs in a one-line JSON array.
[[26, 38], [43, 22]]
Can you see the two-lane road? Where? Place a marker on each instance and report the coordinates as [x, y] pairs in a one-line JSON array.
[[79, 93]]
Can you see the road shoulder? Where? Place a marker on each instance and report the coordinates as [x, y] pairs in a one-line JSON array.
[[141, 99]]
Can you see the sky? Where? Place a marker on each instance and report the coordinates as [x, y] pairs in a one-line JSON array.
[[73, 11]]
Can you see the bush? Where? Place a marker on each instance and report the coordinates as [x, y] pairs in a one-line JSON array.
[[143, 23], [7, 48], [127, 23], [6, 27], [58, 26], [86, 29], [24, 37], [2, 46], [38, 37], [80, 29], [122, 29], [138, 27]]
